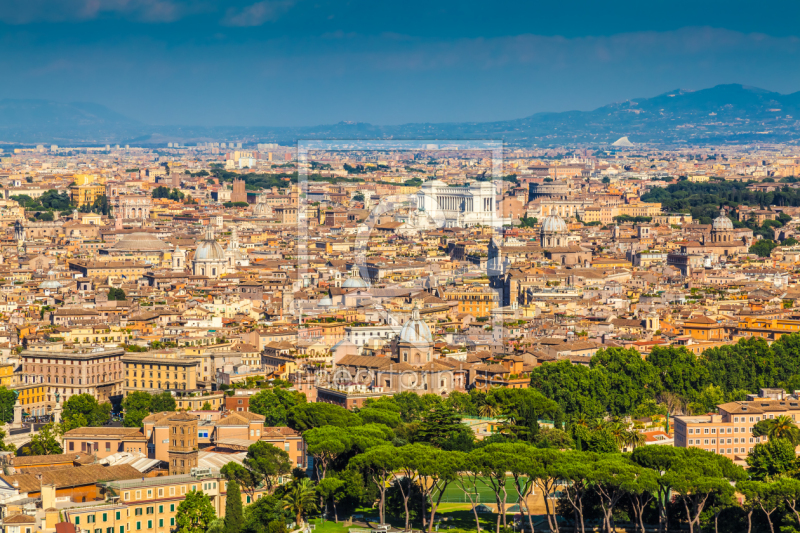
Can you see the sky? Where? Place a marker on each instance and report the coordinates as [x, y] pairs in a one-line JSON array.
[[309, 62]]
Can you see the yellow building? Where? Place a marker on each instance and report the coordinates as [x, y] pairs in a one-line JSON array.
[[477, 301], [149, 505], [7, 378], [32, 398], [155, 373], [86, 188]]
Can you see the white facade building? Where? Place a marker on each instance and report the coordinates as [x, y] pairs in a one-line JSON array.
[[469, 205]]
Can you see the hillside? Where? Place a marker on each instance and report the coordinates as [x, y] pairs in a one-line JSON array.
[[725, 113]]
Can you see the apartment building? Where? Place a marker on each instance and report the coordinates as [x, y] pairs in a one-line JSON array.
[[69, 371], [730, 431]]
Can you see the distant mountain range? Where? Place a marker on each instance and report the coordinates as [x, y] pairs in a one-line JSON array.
[[721, 114]]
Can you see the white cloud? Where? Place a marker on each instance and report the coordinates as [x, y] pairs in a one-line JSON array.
[[35, 11], [258, 13]]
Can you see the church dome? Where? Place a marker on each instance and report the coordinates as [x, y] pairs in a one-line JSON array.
[[416, 331], [325, 302], [355, 281], [554, 224], [722, 222], [209, 249], [140, 241], [50, 284], [261, 209]]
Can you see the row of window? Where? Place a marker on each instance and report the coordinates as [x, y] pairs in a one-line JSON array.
[[90, 518], [175, 375], [735, 450], [722, 441], [721, 430], [150, 523], [152, 509]]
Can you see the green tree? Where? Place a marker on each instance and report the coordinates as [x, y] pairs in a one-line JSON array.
[[782, 427], [330, 489], [299, 499], [762, 495], [772, 458], [662, 462], [371, 415], [436, 469], [244, 477], [378, 463], [82, 410], [116, 294], [7, 401], [267, 463], [194, 513], [305, 416], [275, 404], [613, 478], [763, 248], [46, 442], [163, 402], [234, 519], [137, 406], [493, 462], [265, 515], [216, 526], [440, 426]]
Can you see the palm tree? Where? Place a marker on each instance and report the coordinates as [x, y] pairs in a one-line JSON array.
[[487, 410], [300, 499], [783, 427], [636, 439], [619, 433], [580, 419]]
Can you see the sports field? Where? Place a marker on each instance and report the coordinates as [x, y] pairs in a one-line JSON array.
[[454, 493]]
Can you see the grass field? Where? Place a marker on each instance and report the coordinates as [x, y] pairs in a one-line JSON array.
[[454, 493]]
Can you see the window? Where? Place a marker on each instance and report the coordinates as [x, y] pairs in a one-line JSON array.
[[172, 491], [172, 521], [109, 530], [72, 446], [138, 495], [137, 511], [105, 517], [160, 522], [138, 525], [90, 519], [151, 510], [160, 492], [77, 520], [149, 524], [118, 515], [160, 509]]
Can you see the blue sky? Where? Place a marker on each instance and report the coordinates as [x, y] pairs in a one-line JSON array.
[[306, 62]]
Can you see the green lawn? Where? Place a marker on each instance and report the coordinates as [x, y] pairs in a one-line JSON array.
[[454, 494], [329, 527]]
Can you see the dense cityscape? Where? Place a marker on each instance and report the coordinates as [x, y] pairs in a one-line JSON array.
[[228, 337]]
